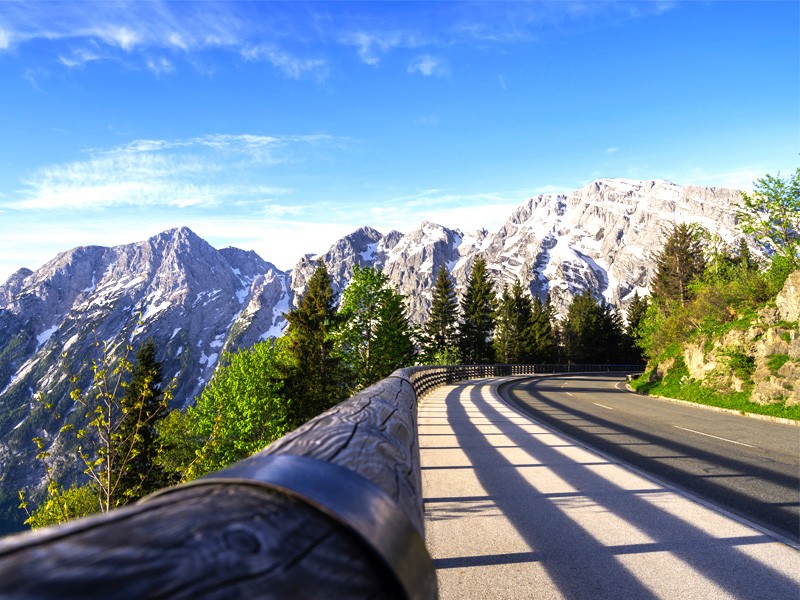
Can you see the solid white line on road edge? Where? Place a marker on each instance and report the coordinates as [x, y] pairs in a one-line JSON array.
[[714, 436], [603, 405]]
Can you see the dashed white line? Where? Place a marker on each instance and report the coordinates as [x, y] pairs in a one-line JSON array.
[[602, 405], [716, 437]]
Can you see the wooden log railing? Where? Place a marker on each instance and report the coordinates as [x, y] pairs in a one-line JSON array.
[[331, 510]]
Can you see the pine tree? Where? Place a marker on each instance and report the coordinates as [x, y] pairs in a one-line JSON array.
[[439, 331], [514, 343], [542, 336], [374, 334], [636, 312], [134, 446], [477, 317], [316, 379], [593, 331], [679, 263]]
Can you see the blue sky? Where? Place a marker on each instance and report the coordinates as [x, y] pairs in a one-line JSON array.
[[280, 127]]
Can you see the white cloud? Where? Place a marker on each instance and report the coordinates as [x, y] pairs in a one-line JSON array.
[[176, 40], [79, 58], [160, 66], [283, 61], [611, 150], [172, 173], [428, 66], [5, 39], [118, 35], [370, 46]]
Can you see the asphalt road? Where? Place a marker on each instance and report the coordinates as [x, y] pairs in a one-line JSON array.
[[747, 466]]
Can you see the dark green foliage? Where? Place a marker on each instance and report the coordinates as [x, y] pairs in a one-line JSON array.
[[679, 263], [116, 439], [743, 365], [315, 378], [476, 326], [542, 337], [637, 309], [513, 341], [374, 336], [593, 332], [772, 215], [439, 334], [134, 443]]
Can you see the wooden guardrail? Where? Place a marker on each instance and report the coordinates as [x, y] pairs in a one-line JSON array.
[[331, 510]]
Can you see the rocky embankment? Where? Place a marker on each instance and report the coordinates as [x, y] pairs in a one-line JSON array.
[[768, 350]]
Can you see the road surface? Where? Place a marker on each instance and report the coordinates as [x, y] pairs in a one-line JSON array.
[[748, 466], [513, 509]]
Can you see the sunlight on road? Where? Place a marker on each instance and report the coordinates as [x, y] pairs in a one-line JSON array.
[[514, 510]]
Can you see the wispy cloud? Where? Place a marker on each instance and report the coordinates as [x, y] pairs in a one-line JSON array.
[[159, 66], [290, 65], [611, 150], [372, 46], [429, 66], [281, 34], [154, 33], [172, 173]]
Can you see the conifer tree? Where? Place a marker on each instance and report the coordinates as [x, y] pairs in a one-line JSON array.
[[374, 334], [439, 331], [477, 317], [593, 332], [134, 445], [679, 263], [542, 336], [316, 379], [636, 312], [514, 331]]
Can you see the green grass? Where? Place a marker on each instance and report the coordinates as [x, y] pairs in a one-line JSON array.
[[677, 384], [776, 361]]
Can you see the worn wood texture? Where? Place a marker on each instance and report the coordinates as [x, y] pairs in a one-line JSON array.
[[216, 541], [233, 541], [374, 434]]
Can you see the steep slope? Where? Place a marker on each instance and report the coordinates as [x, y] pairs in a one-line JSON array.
[[193, 300]]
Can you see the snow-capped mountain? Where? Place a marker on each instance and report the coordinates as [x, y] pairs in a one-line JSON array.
[[198, 302]]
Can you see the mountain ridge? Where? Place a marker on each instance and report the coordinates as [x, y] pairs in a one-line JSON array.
[[199, 302]]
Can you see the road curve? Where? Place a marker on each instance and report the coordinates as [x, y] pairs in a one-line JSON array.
[[748, 466], [513, 509]]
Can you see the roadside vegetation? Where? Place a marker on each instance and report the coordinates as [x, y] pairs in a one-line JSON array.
[[713, 332]]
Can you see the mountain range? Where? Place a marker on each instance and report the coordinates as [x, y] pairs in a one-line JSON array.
[[198, 302]]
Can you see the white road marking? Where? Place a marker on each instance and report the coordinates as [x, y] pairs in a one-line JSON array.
[[714, 436], [602, 405]]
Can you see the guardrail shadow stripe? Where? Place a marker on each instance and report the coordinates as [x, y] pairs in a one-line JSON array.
[[726, 567], [577, 421]]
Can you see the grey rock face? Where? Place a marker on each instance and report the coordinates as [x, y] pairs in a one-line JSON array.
[[194, 301]]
